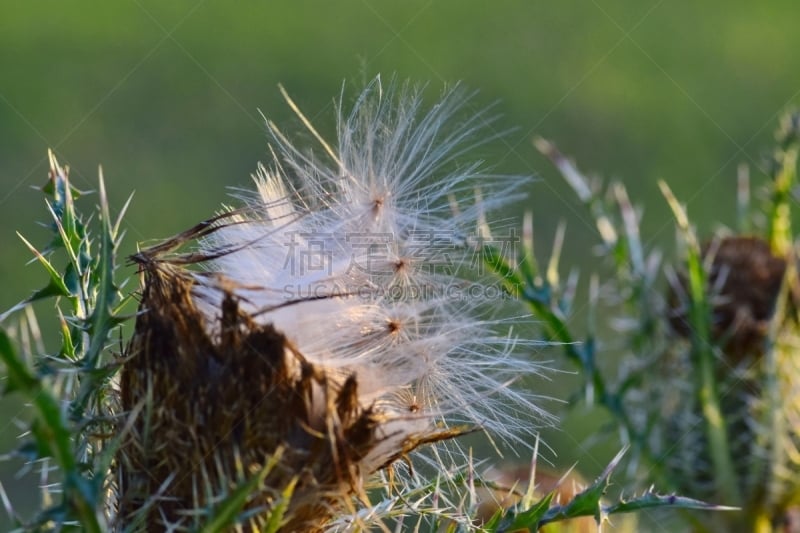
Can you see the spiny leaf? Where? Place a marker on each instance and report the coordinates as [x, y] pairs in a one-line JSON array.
[[55, 187], [99, 320], [100, 306], [50, 290], [532, 517], [589, 503], [652, 500], [56, 279]]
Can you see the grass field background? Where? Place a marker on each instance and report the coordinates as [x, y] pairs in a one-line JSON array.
[[166, 97]]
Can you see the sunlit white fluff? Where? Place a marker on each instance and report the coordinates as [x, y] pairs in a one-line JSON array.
[[359, 256]]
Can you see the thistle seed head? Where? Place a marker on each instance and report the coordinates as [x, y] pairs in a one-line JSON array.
[[338, 321]]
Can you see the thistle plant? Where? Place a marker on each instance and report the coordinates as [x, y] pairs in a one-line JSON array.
[[71, 391], [706, 395], [290, 356]]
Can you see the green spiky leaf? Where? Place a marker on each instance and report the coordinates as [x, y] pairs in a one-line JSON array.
[[589, 502], [653, 500], [532, 516]]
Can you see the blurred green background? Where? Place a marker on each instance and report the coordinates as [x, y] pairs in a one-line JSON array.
[[166, 97]]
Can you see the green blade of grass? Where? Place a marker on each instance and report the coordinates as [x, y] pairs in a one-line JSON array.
[[276, 517], [225, 514]]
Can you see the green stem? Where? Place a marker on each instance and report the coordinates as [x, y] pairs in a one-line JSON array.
[[703, 359]]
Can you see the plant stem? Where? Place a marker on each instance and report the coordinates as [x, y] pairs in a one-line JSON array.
[[703, 359]]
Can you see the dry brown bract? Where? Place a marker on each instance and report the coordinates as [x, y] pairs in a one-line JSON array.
[[217, 398]]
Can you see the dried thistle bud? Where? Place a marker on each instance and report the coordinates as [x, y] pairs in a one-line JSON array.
[[756, 380], [743, 284], [330, 326]]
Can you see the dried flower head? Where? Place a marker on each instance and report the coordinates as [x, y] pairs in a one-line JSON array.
[[743, 281], [327, 328]]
